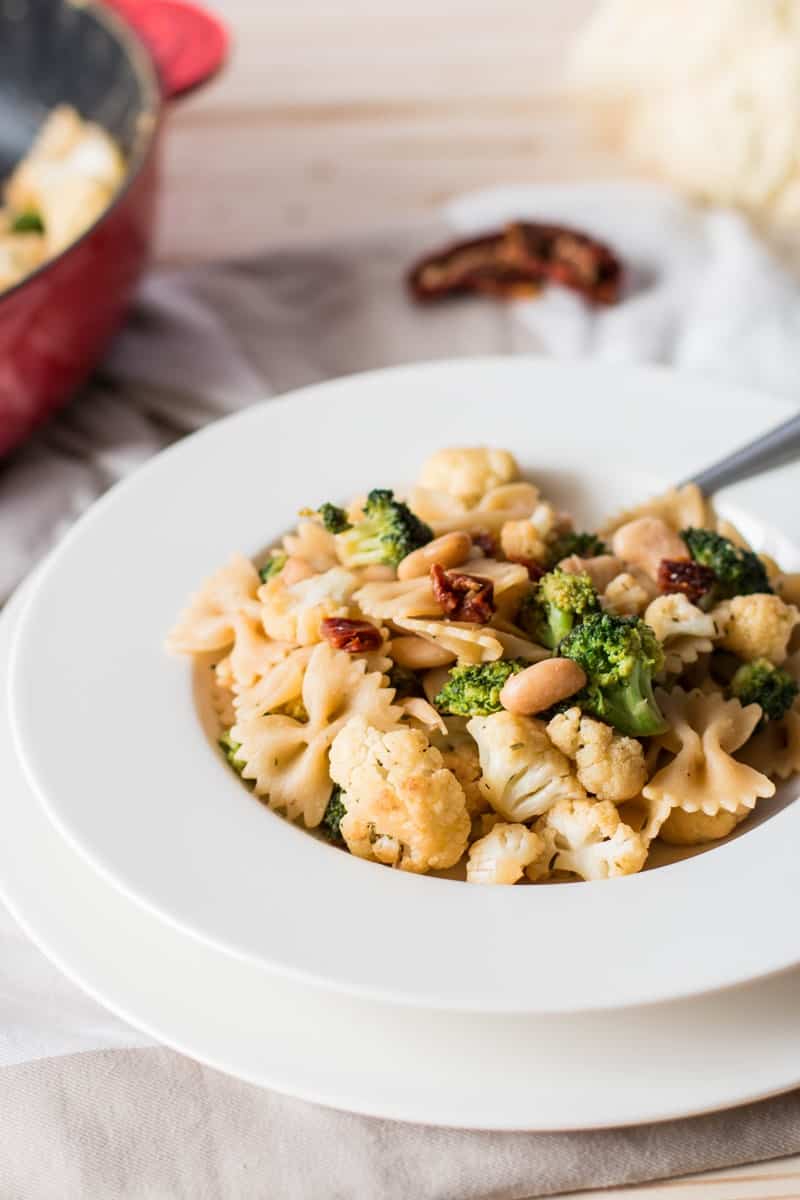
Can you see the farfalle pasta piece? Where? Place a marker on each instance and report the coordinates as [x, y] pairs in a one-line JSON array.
[[226, 615], [468, 472], [222, 697], [645, 817], [286, 759], [471, 643], [281, 687], [444, 513], [422, 715], [515, 642], [684, 630], [680, 508], [774, 749], [295, 613], [502, 854], [705, 731], [397, 599], [208, 621], [312, 542], [757, 626], [695, 829]]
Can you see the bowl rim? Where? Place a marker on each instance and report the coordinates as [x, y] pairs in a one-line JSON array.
[[652, 977]]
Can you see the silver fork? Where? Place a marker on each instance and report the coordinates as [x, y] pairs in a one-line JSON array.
[[773, 449]]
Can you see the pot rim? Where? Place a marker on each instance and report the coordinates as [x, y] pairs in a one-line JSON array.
[[147, 123]]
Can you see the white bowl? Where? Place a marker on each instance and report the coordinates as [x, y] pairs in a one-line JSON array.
[[108, 731]]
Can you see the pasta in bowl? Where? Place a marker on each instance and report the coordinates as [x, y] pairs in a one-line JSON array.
[[461, 681]]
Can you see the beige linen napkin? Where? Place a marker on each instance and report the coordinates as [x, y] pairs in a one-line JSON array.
[[146, 1122]]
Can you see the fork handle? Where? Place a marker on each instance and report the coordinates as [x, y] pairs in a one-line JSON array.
[[773, 449]]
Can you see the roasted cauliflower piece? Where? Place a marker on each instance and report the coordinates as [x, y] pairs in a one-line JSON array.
[[503, 854], [524, 774], [626, 595], [530, 537], [460, 755], [295, 613], [610, 766], [404, 808], [756, 626], [589, 839], [695, 829], [468, 472]]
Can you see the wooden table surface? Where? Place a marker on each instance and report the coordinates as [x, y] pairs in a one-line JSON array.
[[335, 117]]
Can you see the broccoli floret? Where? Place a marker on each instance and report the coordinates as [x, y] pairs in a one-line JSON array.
[[27, 222], [332, 819], [404, 681], [231, 749], [739, 572], [333, 518], [388, 531], [761, 682], [553, 609], [474, 691], [585, 545], [620, 655], [274, 565]]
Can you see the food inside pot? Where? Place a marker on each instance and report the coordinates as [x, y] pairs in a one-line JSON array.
[[61, 186]]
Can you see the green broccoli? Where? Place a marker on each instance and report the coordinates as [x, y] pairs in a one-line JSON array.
[[557, 604], [761, 682], [388, 531], [231, 749], [620, 655], [333, 518], [474, 691], [739, 572], [404, 681], [332, 819], [27, 222], [585, 545], [273, 566]]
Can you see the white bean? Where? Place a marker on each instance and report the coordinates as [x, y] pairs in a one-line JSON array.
[[418, 654], [541, 685], [448, 551]]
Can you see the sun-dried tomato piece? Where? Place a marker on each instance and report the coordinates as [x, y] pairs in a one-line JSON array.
[[463, 597], [486, 542], [535, 569], [479, 265], [566, 256], [685, 575], [356, 637]]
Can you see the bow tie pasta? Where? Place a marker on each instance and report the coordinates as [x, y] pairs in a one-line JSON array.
[[462, 679]]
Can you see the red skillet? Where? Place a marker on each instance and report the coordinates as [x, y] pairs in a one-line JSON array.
[[117, 63]]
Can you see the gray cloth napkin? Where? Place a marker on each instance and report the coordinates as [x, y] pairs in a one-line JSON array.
[[147, 1122]]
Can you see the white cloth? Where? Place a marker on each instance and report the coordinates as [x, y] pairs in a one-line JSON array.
[[703, 293]]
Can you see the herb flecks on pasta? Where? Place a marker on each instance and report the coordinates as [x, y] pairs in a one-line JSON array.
[[393, 672]]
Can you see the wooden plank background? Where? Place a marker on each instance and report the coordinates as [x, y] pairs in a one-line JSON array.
[[357, 114]]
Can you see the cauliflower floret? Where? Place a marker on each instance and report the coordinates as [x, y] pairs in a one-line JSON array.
[[460, 755], [469, 472], [694, 829], [529, 537], [403, 807], [590, 840], [675, 616], [757, 626], [295, 613], [503, 855], [610, 766], [626, 596], [523, 772]]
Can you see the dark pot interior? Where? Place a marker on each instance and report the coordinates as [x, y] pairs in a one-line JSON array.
[[52, 52]]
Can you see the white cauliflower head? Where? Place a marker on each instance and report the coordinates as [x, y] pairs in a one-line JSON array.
[[503, 854], [468, 472], [404, 808], [675, 616], [523, 772], [460, 755], [694, 829], [528, 537], [757, 626], [627, 595], [295, 613], [610, 766], [589, 839]]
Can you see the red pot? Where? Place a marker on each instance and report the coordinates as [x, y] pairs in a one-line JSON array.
[[117, 64]]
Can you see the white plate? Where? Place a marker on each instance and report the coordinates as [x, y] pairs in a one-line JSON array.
[[108, 731], [536, 1073]]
